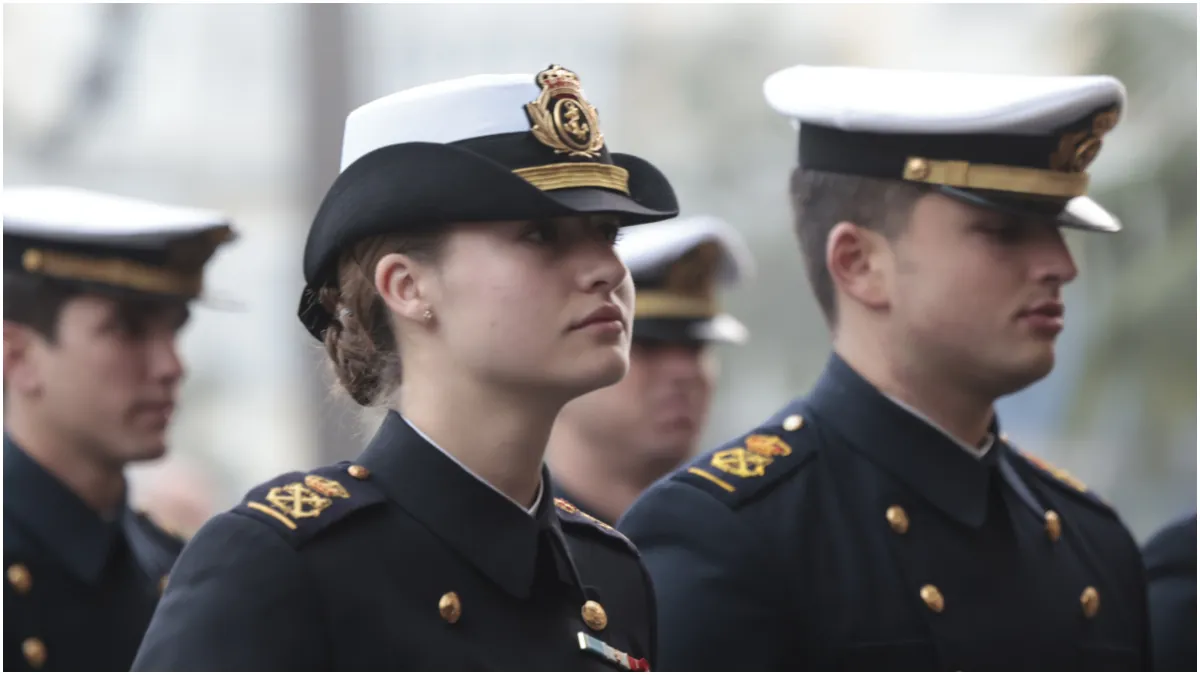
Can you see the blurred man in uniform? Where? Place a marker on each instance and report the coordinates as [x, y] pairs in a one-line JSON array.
[[96, 289], [610, 445], [883, 521], [1170, 558]]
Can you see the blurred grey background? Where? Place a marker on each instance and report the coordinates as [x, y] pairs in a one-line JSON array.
[[240, 107]]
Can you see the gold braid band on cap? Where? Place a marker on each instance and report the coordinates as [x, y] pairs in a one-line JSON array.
[[659, 304], [575, 175], [112, 271], [996, 177]]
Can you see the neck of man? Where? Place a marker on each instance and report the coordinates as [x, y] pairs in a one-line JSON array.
[[499, 433], [100, 484], [592, 474], [964, 414]]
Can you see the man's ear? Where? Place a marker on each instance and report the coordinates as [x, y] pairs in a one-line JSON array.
[[20, 371], [857, 261]]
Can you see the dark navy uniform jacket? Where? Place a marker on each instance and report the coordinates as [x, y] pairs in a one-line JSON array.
[[1170, 558], [846, 533], [402, 561], [79, 591]]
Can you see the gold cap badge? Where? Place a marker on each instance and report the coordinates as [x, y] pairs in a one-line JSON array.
[[1076, 151], [562, 118], [689, 288]]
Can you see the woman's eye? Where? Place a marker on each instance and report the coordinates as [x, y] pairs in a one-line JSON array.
[[542, 233], [612, 232]]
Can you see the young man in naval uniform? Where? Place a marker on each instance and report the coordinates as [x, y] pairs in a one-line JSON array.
[[96, 289], [883, 521], [610, 445]]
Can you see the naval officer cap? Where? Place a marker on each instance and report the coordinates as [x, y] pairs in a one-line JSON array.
[[480, 148], [677, 267], [108, 243], [1017, 144]]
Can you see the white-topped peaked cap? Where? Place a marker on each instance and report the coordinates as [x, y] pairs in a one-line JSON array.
[[132, 244], [677, 266], [75, 214], [484, 148], [1011, 142], [649, 249], [916, 102], [441, 112]]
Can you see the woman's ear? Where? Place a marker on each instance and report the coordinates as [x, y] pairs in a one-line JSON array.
[[397, 278]]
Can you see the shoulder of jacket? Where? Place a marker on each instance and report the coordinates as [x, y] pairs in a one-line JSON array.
[[576, 521], [300, 505], [1062, 481], [1172, 550], [756, 462]]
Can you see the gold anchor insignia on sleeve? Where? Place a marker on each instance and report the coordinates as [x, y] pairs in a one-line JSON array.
[[741, 463], [298, 501]]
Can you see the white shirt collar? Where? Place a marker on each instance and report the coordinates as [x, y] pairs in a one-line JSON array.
[[530, 510], [978, 453]]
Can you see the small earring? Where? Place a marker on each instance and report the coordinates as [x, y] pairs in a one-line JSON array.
[[428, 316]]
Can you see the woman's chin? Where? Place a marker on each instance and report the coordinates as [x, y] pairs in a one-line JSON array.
[[600, 371]]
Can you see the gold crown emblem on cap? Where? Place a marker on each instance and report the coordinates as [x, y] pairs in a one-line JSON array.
[[562, 118]]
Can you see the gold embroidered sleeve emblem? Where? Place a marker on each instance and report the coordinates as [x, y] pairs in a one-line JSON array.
[[1061, 474], [326, 486], [768, 446], [741, 463], [298, 501]]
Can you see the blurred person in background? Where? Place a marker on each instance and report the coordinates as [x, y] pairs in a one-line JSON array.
[[1170, 557], [883, 521], [460, 272], [610, 445], [96, 290]]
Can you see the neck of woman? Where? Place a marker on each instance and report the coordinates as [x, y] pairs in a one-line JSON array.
[[497, 432]]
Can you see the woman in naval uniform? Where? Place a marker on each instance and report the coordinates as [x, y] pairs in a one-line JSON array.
[[461, 272]]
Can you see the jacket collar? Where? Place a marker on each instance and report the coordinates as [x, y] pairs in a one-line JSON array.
[[491, 531], [907, 447]]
